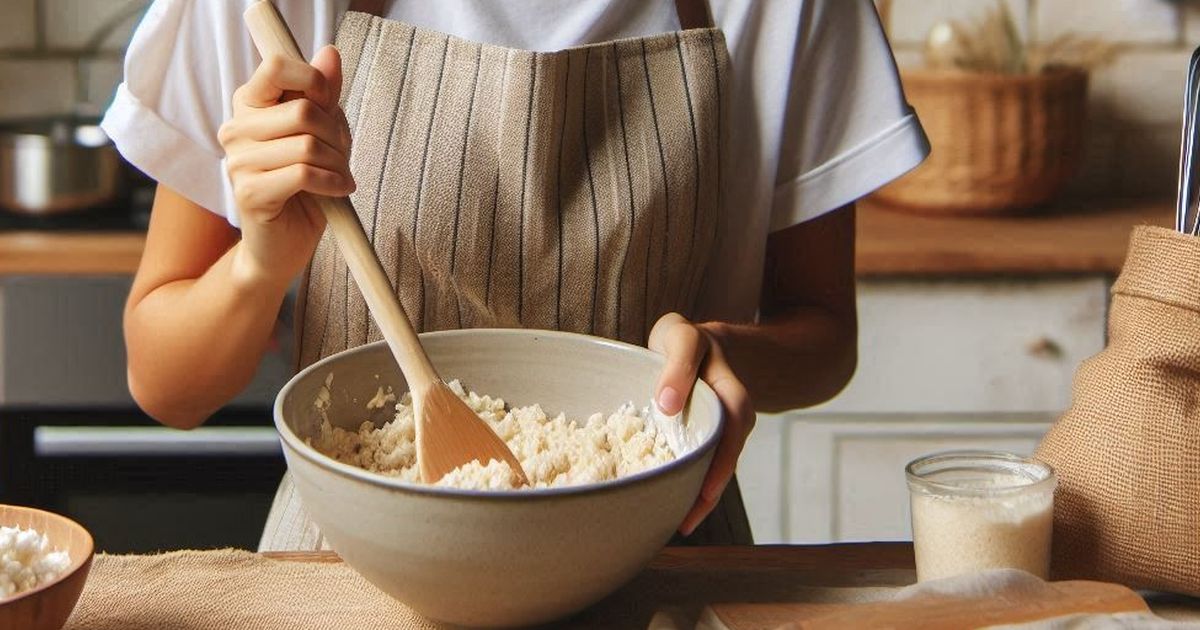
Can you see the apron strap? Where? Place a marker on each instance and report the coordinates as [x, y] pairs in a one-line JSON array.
[[692, 13], [372, 7]]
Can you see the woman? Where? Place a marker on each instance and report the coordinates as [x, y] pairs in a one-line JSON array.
[[587, 166]]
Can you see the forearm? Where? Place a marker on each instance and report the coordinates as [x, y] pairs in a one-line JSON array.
[[795, 358], [193, 344]]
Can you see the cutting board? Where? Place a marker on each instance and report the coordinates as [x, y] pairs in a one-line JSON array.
[[927, 612]]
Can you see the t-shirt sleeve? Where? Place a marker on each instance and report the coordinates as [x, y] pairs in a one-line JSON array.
[[847, 129], [183, 64]]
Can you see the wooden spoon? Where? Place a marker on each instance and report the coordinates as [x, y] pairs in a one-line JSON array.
[[449, 433]]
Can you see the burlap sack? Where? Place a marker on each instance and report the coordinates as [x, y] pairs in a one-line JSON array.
[[1127, 452]]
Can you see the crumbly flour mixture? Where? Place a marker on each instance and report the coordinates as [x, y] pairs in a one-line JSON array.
[[553, 451], [26, 561]]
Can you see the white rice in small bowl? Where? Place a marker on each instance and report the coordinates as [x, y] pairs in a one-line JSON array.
[[45, 559], [27, 561]]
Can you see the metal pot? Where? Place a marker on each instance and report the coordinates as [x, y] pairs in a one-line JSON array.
[[55, 165]]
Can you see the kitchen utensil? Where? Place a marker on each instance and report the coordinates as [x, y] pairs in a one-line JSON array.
[[495, 558], [47, 607], [1187, 219], [449, 433], [54, 165]]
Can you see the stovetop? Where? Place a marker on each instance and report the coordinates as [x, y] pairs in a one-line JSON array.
[[131, 212]]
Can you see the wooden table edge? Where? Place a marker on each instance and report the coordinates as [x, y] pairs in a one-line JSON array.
[[875, 556]]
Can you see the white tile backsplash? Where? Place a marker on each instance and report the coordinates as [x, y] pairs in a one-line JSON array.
[[1142, 87], [1134, 104], [17, 25], [36, 87], [1136, 21], [101, 79], [1191, 24], [71, 23], [909, 58], [912, 19]]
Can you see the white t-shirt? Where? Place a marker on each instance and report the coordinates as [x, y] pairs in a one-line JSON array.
[[817, 117]]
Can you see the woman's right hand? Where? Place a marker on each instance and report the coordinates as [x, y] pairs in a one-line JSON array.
[[287, 135]]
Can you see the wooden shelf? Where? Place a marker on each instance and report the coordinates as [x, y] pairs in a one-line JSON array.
[[1080, 238]]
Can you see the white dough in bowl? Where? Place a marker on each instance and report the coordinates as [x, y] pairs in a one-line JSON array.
[[554, 452]]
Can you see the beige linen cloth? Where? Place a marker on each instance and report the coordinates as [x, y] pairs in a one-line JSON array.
[[239, 590]]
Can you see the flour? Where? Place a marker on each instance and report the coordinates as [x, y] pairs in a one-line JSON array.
[[554, 451]]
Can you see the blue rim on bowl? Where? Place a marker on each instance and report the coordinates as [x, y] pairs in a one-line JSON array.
[[314, 456]]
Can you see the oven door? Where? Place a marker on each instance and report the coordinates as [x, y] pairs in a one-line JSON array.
[[72, 439], [140, 487]]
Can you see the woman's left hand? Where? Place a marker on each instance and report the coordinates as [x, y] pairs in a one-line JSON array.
[[692, 351]]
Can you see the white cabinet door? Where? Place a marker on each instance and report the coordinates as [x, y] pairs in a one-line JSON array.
[[972, 345], [943, 364], [845, 475]]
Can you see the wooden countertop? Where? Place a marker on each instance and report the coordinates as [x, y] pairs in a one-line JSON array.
[[759, 577], [847, 564], [1077, 238], [70, 253], [732, 588]]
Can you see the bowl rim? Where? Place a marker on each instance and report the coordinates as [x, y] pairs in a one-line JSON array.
[[313, 456], [62, 577]]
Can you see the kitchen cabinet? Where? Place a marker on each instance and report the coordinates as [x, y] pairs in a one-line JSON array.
[[943, 364], [62, 345], [989, 345], [971, 331], [73, 441]]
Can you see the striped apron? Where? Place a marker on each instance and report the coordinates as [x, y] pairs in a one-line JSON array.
[[574, 190]]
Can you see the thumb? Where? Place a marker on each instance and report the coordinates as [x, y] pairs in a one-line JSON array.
[[685, 347], [328, 61]]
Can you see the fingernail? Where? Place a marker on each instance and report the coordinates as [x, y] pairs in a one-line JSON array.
[[669, 401]]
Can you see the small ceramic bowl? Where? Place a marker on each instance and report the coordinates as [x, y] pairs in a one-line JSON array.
[[496, 558], [48, 606]]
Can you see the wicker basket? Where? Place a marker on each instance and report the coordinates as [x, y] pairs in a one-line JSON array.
[[1001, 143]]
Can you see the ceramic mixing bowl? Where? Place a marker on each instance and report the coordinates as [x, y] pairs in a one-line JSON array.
[[495, 558]]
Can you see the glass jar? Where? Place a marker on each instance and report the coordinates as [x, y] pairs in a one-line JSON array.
[[976, 510]]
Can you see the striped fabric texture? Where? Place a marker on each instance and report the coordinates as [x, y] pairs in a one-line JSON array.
[[576, 190]]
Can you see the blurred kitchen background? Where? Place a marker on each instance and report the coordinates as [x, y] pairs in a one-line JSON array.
[[971, 328]]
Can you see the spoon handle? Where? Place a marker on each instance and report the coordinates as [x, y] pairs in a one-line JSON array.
[[272, 37]]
